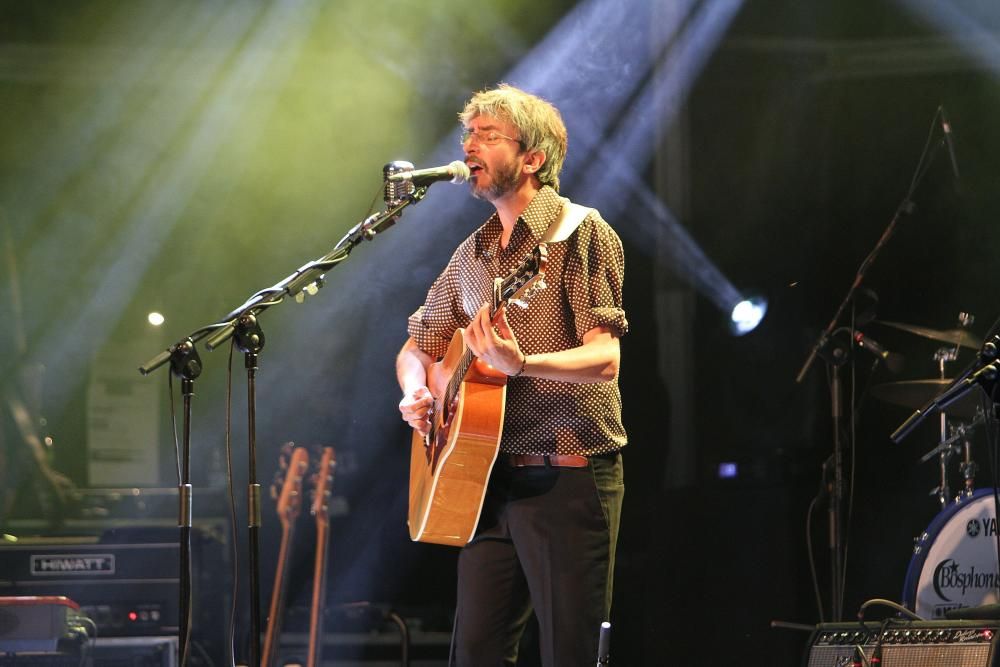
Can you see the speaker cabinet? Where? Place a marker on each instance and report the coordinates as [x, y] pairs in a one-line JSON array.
[[906, 643]]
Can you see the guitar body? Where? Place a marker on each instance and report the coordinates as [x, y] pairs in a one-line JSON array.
[[450, 468]]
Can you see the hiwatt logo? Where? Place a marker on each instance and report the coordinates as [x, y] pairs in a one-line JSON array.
[[950, 576], [50, 565]]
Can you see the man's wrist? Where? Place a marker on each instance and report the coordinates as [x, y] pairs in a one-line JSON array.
[[520, 371]]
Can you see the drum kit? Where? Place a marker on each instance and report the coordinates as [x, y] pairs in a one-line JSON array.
[[954, 563]]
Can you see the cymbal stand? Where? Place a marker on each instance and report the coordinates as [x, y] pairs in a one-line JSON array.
[[943, 356], [968, 468]]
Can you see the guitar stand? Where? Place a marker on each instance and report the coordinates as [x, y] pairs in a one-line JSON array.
[[186, 364], [376, 612]]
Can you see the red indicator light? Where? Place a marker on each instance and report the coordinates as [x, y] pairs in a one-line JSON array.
[[132, 616]]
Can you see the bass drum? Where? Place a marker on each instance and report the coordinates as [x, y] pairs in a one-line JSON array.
[[954, 562]]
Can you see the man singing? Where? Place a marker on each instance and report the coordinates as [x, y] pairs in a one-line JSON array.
[[546, 537]]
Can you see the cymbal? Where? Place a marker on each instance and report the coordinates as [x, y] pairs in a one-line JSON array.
[[915, 394], [959, 337]]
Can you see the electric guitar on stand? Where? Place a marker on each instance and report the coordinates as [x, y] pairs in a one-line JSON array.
[[294, 462], [450, 466], [322, 492]]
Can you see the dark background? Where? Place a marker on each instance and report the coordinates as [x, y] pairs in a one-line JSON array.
[[126, 190]]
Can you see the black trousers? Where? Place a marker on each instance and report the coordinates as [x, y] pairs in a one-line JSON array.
[[545, 542]]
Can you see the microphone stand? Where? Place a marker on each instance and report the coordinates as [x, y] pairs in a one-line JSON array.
[[249, 337], [186, 364], [905, 207], [242, 325]]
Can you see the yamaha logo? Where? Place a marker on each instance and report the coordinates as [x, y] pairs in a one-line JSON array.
[[972, 528], [49, 565]]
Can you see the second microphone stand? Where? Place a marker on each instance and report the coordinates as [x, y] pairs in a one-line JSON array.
[[906, 206]]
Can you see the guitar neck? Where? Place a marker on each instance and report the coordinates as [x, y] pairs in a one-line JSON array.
[[465, 363], [274, 615], [321, 510], [318, 595]]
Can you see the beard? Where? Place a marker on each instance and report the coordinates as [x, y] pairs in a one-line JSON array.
[[503, 180]]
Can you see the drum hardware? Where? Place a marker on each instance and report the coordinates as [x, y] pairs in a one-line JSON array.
[[918, 393], [957, 337], [942, 357], [960, 431]]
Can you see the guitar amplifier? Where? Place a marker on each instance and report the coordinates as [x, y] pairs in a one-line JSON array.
[[907, 643], [126, 580]]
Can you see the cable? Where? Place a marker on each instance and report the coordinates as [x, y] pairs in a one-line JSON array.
[[885, 603], [173, 425], [921, 169], [812, 558], [204, 654], [852, 437], [84, 620]]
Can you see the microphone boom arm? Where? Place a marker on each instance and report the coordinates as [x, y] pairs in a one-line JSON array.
[[301, 280]]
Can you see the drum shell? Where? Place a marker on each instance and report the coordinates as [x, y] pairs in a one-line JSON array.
[[954, 564]]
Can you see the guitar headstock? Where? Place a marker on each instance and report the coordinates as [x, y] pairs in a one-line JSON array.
[[323, 485], [522, 283], [293, 462]]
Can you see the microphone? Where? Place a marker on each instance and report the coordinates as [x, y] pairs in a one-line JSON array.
[[893, 361], [946, 128], [962, 385], [957, 390], [393, 192], [456, 172], [604, 645]]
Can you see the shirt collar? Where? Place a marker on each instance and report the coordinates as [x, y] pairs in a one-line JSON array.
[[542, 211], [536, 216]]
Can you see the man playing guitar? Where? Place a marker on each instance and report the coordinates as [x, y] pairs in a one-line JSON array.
[[548, 525]]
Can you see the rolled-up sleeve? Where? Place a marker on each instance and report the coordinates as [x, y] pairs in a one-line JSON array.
[[595, 273], [433, 324]]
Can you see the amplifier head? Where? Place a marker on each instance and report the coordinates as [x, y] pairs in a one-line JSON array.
[[906, 643]]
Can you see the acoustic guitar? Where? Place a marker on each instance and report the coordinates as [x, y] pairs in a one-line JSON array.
[[450, 466]]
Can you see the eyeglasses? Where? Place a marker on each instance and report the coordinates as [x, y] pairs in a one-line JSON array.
[[485, 137]]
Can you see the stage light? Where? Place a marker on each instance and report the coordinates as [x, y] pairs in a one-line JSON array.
[[728, 470], [747, 314], [155, 318]]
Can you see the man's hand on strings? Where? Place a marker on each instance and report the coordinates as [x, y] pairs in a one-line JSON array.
[[494, 342]]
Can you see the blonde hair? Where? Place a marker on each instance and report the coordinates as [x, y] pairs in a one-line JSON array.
[[539, 124]]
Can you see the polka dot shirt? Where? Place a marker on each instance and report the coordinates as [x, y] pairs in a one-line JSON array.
[[584, 290]]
